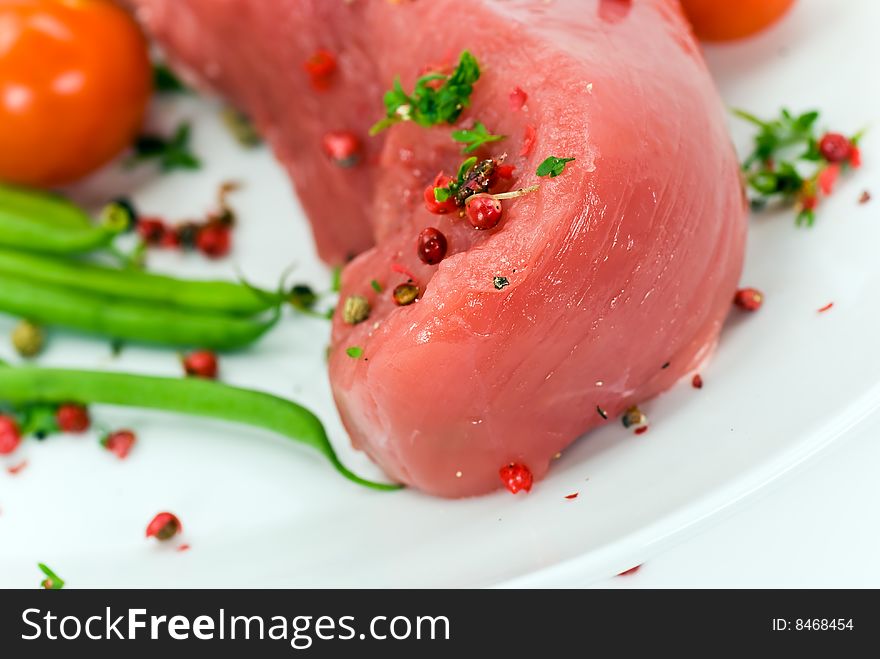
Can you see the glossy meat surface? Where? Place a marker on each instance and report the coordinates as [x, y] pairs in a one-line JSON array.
[[625, 263]]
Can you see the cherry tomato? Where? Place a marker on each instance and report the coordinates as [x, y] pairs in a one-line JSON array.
[[75, 79], [723, 20]]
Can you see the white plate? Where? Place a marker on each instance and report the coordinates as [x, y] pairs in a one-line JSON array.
[[260, 511]]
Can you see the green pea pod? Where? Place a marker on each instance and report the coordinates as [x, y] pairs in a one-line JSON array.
[[193, 396], [128, 321], [136, 285], [46, 207]]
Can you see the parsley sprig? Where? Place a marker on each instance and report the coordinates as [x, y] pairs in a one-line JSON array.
[[475, 137], [553, 166], [170, 153], [436, 99], [786, 162]]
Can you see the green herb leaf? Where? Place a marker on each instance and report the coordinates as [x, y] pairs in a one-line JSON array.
[[52, 581], [475, 137], [165, 82], [355, 352], [376, 286], [170, 154], [466, 167], [336, 279], [431, 104], [553, 166]]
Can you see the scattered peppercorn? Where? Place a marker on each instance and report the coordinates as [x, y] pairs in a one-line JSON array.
[[435, 206], [17, 469], [201, 364], [641, 430], [303, 297], [320, 66], [826, 307], [517, 99], [432, 246], [320, 63], [865, 197], [72, 417], [119, 442], [602, 412], [530, 134], [697, 382], [500, 282], [186, 235], [342, 147], [28, 339], [241, 127], [119, 214], [10, 435], [214, 240], [483, 212], [356, 309], [630, 571], [633, 417], [835, 147], [152, 230], [164, 526], [406, 294], [516, 477], [749, 299], [572, 496]]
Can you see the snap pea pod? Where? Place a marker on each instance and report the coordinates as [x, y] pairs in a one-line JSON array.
[[27, 385], [136, 285], [128, 321], [45, 207]]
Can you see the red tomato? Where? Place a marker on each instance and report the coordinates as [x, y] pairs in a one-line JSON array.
[[75, 79], [723, 20]]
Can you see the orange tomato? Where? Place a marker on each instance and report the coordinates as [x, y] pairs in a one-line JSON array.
[[723, 20], [75, 79]]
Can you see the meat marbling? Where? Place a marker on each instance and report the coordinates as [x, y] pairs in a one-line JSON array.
[[621, 270]]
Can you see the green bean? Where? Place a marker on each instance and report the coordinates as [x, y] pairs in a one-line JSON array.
[[46, 207], [130, 321], [136, 285], [24, 232], [27, 385]]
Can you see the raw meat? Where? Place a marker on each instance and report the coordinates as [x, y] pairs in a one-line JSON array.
[[621, 270]]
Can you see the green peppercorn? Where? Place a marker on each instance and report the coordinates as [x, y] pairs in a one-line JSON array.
[[406, 294], [303, 297], [28, 339], [356, 309], [119, 215], [241, 127], [633, 417]]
